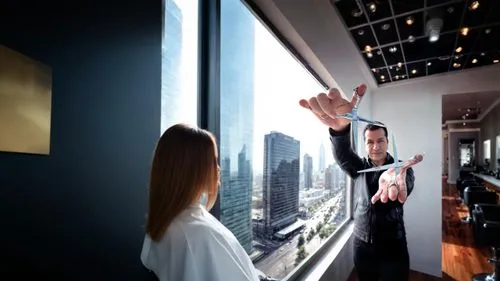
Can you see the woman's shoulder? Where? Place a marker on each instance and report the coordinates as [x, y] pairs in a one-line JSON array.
[[197, 225]]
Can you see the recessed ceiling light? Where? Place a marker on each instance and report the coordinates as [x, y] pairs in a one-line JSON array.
[[474, 61], [474, 5], [487, 30], [429, 63], [411, 38], [386, 26], [400, 64], [495, 61], [368, 48], [458, 50], [356, 13], [379, 52], [414, 71], [361, 32], [372, 7], [450, 10], [464, 31], [382, 77], [393, 49], [456, 65], [483, 54], [374, 70], [409, 20], [369, 54]]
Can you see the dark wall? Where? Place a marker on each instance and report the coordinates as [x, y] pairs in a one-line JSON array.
[[79, 212], [490, 129]]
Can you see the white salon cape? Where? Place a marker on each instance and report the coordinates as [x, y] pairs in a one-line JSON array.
[[197, 247]]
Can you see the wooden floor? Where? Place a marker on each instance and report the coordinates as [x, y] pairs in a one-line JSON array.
[[461, 258]]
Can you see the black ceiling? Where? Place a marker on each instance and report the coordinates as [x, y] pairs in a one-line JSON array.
[[412, 54]]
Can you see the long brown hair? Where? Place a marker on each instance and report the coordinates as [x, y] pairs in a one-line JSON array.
[[184, 166]]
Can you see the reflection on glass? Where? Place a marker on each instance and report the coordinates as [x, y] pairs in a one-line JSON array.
[[179, 63], [280, 209], [498, 152], [467, 153], [237, 121], [487, 153]]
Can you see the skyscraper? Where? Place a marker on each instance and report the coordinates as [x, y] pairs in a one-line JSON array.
[[329, 178], [308, 171], [321, 158], [236, 119], [171, 63], [281, 181]]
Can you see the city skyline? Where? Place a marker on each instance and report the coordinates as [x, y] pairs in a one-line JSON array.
[[270, 58]]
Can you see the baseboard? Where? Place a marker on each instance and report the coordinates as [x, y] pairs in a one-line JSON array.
[[414, 275]]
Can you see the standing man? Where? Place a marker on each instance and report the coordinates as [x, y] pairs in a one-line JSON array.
[[380, 248]]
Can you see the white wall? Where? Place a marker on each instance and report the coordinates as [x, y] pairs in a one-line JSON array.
[[418, 130]]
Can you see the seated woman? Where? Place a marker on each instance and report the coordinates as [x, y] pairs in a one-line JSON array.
[[183, 240]]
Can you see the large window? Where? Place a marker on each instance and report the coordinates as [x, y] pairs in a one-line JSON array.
[[281, 193], [179, 63]]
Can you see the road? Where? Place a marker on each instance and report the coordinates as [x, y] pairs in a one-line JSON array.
[[282, 261]]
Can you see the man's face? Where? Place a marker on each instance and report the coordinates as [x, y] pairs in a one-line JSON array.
[[376, 144]]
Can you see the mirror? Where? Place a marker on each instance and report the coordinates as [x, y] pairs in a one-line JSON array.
[[486, 154], [467, 152], [498, 152]]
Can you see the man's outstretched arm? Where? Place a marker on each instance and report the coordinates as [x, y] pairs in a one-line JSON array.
[[343, 153]]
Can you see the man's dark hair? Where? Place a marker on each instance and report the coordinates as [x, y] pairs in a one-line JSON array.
[[373, 127]]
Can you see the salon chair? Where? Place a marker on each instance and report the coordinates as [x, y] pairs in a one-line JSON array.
[[465, 184], [477, 195], [486, 218]]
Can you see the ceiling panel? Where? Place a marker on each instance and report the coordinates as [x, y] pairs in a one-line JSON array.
[[394, 35]]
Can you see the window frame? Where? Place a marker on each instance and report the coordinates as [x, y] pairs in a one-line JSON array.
[[209, 74]]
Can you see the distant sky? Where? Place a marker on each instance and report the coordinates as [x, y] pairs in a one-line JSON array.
[[280, 82]]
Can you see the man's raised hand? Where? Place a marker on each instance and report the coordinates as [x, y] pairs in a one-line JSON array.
[[326, 107]]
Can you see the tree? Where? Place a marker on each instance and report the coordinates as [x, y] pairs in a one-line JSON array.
[[301, 255], [319, 226], [310, 235], [301, 241]]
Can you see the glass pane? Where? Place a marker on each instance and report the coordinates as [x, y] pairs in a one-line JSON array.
[[281, 194], [498, 152], [179, 66], [487, 152]]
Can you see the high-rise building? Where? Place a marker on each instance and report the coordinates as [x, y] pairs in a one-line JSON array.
[[329, 175], [308, 171], [280, 181], [236, 119], [321, 158], [171, 63]]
